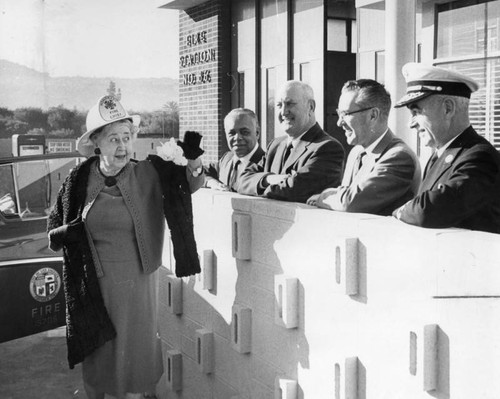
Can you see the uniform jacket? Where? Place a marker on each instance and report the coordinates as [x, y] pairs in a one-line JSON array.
[[221, 170], [389, 177], [314, 164], [462, 189], [88, 323]]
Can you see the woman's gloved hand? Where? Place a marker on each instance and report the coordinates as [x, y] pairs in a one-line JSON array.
[[191, 145], [66, 234]]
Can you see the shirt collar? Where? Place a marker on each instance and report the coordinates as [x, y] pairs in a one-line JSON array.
[[441, 150], [246, 159], [295, 140], [371, 147]]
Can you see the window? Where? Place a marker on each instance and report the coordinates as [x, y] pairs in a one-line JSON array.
[[8, 200], [341, 35], [270, 103], [467, 34], [305, 72], [241, 89], [59, 146], [380, 66], [29, 188]]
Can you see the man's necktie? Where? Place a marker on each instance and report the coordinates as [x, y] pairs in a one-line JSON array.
[[286, 154], [358, 163], [233, 177], [430, 163]]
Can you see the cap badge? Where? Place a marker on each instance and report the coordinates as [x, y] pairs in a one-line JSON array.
[[109, 103], [110, 109], [448, 159]]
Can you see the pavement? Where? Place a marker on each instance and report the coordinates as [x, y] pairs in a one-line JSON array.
[[35, 367]]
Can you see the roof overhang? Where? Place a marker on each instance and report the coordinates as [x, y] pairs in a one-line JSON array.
[[373, 4], [180, 4]]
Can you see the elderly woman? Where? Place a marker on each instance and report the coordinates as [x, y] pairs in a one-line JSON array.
[[109, 219]]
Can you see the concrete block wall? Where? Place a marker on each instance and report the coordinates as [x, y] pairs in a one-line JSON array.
[[204, 61], [332, 305]]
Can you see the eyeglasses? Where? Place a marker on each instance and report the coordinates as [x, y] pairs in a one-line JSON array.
[[343, 114]]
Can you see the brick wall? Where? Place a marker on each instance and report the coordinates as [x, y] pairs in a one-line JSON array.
[[204, 60]]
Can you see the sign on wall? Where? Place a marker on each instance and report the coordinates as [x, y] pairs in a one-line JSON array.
[[195, 58]]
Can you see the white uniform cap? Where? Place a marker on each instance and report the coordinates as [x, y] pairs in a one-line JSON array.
[[107, 110], [425, 80]]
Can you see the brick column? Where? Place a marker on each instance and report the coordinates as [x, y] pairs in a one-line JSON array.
[[204, 62]]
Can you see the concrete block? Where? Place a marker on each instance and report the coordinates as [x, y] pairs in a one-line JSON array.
[[285, 389], [174, 370], [241, 236], [346, 378], [208, 270], [351, 378], [205, 350], [241, 329], [174, 294], [430, 358], [346, 265], [286, 309]]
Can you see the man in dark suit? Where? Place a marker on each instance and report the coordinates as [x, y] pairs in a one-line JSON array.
[[242, 133], [461, 183], [382, 172], [304, 161]]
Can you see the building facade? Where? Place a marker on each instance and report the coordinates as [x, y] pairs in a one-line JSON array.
[[237, 53]]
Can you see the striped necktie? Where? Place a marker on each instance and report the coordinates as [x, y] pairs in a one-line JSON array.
[[233, 177]]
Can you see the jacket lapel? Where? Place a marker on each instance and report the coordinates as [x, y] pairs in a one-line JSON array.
[[301, 147], [447, 159], [226, 166], [444, 162], [276, 155], [371, 158]]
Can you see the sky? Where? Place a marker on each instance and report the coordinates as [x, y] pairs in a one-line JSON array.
[[91, 38]]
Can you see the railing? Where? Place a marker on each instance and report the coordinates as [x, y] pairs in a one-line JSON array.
[[296, 302]]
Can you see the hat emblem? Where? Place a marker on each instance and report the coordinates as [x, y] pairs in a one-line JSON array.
[[109, 103], [449, 158], [110, 109]]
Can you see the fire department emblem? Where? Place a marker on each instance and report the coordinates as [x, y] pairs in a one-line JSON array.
[[45, 284]]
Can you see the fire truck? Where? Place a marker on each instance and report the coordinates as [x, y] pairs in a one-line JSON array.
[[31, 292]]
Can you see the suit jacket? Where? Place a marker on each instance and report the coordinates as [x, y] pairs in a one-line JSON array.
[[314, 164], [389, 177], [462, 189], [222, 169]]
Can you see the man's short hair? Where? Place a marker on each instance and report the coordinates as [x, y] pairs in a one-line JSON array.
[[245, 111], [370, 94], [307, 90]]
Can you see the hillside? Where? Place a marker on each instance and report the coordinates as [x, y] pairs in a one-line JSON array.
[[24, 87]]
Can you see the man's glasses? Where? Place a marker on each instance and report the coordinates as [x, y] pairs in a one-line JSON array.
[[343, 114]]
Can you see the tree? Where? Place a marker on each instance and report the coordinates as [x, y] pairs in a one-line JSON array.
[[171, 109], [6, 113], [79, 122], [63, 133], [9, 127], [112, 91], [34, 117], [37, 131], [60, 118]]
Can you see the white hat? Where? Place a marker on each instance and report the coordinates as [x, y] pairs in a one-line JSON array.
[[425, 80], [107, 110]]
